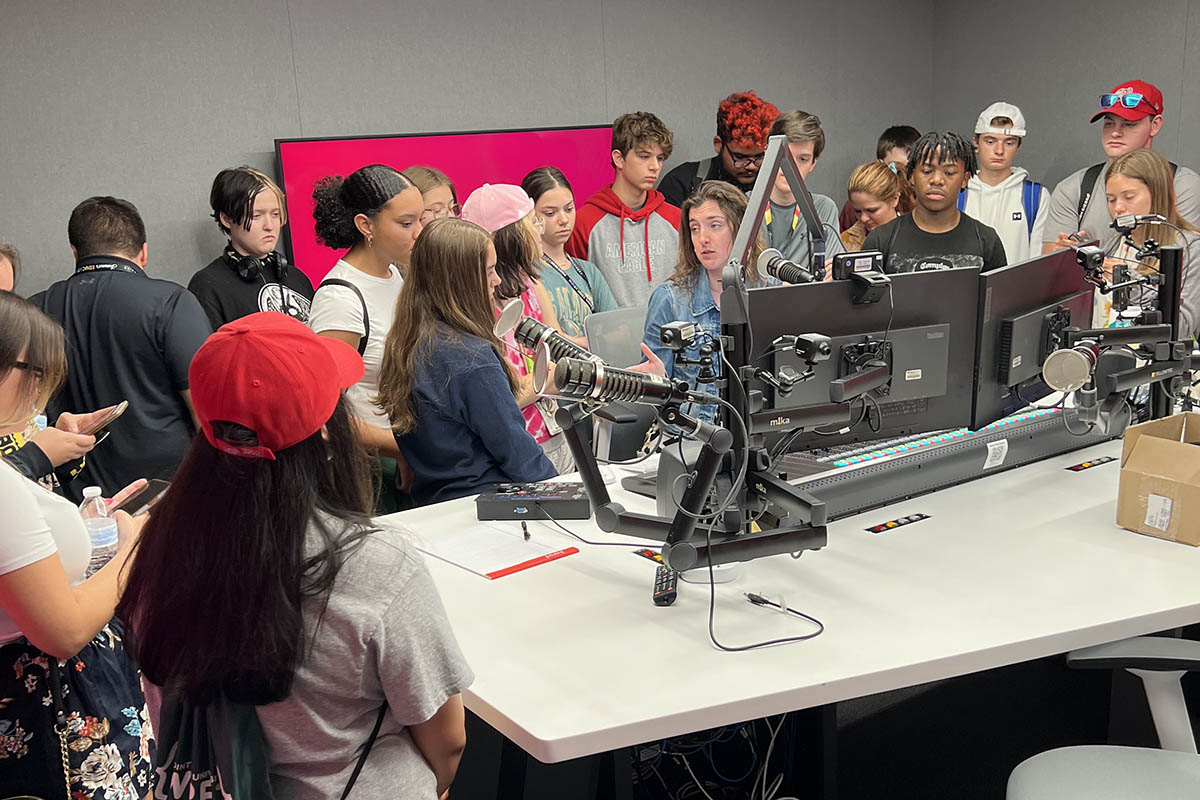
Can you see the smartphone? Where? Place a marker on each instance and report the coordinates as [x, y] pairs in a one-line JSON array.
[[1075, 237], [107, 419], [144, 500]]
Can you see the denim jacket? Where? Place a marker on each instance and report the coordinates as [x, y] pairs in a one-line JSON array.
[[672, 303]]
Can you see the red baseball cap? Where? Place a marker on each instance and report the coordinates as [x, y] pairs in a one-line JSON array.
[[1151, 104], [269, 373]]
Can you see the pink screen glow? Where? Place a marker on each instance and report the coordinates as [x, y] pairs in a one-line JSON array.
[[470, 159]]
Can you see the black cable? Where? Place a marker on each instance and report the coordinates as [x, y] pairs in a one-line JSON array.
[[1091, 426], [846, 429], [564, 529], [878, 426], [712, 609]]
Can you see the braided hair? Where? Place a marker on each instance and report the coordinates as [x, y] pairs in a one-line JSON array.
[[339, 200], [938, 147]]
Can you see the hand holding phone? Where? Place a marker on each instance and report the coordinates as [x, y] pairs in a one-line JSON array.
[[98, 425], [143, 501]]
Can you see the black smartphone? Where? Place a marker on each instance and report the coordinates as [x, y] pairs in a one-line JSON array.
[[144, 500]]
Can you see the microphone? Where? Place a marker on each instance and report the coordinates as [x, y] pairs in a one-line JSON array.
[[1068, 370], [774, 264], [596, 381], [1127, 222], [530, 333]]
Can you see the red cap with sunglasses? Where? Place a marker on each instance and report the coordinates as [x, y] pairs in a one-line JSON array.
[[271, 374], [1131, 101]]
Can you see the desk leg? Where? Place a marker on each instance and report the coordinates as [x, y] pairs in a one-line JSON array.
[[809, 757], [606, 776]]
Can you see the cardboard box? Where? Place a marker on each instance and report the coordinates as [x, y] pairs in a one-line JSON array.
[[1160, 479]]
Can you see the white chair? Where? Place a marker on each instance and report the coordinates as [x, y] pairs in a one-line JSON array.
[[1126, 773], [620, 428]]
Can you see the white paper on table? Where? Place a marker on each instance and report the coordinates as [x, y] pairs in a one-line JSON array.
[[492, 549]]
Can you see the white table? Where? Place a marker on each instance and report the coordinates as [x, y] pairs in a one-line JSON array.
[[573, 659]]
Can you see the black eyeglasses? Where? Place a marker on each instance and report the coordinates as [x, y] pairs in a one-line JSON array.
[[36, 372], [741, 162]]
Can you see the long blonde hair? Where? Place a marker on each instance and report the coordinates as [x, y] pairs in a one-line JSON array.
[[732, 203], [26, 330], [446, 283], [1152, 169]]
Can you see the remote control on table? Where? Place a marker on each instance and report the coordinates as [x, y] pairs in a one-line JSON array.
[[665, 580]]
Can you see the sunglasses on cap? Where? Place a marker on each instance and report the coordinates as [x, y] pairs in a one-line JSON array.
[[1131, 100]]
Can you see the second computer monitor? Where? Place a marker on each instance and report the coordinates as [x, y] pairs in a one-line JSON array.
[[923, 328], [1024, 310]]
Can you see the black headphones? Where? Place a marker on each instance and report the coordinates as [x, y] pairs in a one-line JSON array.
[[250, 268]]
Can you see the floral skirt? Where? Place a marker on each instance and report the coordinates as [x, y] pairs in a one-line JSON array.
[[109, 741]]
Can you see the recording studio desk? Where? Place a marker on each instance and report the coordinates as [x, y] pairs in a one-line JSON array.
[[572, 658]]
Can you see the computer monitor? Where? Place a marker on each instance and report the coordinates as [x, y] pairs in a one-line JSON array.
[[924, 328], [1023, 311]]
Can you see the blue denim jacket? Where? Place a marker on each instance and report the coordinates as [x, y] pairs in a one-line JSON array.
[[672, 303]]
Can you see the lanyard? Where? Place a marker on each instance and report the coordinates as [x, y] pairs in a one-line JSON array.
[[567, 277], [105, 266], [795, 217]]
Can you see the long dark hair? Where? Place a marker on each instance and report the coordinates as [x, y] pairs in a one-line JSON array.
[[215, 591]]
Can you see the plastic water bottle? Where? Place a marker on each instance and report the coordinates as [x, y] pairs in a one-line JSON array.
[[101, 528]]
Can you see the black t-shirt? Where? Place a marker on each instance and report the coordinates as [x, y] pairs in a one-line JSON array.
[[129, 337], [226, 297], [676, 185], [907, 248]]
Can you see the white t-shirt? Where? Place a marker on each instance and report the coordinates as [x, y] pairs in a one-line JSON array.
[[336, 308], [34, 524]]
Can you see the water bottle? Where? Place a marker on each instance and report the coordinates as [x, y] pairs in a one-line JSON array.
[[101, 528]]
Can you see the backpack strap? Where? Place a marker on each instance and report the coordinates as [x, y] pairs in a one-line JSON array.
[[962, 200], [1174, 168], [702, 169], [1031, 199], [362, 758], [1086, 187], [362, 343]]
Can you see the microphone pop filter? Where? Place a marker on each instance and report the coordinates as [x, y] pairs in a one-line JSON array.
[[1067, 370], [541, 368], [509, 318]]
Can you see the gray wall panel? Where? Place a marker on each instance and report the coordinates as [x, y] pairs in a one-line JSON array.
[[147, 100], [1055, 66], [140, 100]]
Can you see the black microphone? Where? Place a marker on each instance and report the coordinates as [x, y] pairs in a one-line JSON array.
[[774, 264], [530, 333], [598, 382], [1127, 222]]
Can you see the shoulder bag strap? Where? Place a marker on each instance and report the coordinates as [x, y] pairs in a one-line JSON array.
[[362, 759], [1031, 198], [1086, 187], [362, 343], [60, 717], [702, 169]]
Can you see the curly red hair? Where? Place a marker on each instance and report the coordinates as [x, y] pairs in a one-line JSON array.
[[743, 120]]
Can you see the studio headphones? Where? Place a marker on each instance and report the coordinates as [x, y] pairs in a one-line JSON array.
[[250, 268]]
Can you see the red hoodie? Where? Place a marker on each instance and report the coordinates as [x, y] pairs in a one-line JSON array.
[[633, 261]]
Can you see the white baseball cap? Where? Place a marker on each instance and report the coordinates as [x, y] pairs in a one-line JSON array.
[[1001, 109]]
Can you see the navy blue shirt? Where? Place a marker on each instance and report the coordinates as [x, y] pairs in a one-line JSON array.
[[470, 433]]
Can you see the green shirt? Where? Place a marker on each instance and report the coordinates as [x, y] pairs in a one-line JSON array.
[[569, 304]]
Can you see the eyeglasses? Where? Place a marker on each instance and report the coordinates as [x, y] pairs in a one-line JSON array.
[[440, 212], [741, 162], [1131, 100], [36, 372]]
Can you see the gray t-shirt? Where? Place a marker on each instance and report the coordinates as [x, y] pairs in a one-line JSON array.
[[1064, 206], [384, 635], [794, 243]]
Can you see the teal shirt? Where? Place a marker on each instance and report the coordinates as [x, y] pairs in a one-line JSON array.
[[569, 305]]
